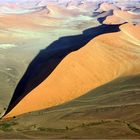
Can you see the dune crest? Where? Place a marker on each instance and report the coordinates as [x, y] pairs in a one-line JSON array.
[[107, 7], [132, 31], [103, 59], [120, 17]]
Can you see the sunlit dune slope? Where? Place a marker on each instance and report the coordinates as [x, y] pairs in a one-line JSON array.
[[56, 10], [120, 17], [126, 15], [107, 7], [132, 31], [113, 20], [31, 21], [103, 59]]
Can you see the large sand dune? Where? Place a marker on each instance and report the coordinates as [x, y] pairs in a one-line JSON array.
[[66, 73], [102, 60], [31, 27], [92, 116]]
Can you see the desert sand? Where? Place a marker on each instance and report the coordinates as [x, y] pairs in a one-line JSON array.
[[69, 69], [120, 17], [107, 7], [28, 28], [85, 69]]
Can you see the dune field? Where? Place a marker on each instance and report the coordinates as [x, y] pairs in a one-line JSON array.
[[70, 69]]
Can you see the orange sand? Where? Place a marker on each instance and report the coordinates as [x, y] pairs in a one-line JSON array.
[[32, 21], [125, 15], [120, 17], [103, 59], [132, 31], [56, 10], [113, 20]]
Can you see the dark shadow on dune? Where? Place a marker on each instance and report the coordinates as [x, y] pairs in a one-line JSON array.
[[101, 19], [48, 59]]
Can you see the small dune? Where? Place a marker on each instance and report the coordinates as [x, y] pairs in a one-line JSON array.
[[120, 17], [113, 20], [107, 7], [58, 11]]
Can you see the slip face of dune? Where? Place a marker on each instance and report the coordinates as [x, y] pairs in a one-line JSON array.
[[103, 59]]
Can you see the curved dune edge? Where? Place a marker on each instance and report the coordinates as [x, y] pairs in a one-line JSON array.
[[55, 10], [125, 14], [120, 17], [107, 7], [113, 20], [132, 31], [103, 59]]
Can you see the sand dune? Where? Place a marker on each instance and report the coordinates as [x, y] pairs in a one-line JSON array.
[[107, 7], [13, 16], [88, 115], [113, 20], [56, 10], [132, 31], [120, 17], [122, 12], [29, 26], [126, 15], [14, 8], [85, 69]]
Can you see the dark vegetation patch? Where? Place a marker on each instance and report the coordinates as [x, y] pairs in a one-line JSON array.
[[51, 129], [7, 125], [134, 128]]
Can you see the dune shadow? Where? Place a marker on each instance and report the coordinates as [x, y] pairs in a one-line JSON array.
[[48, 59], [101, 19]]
